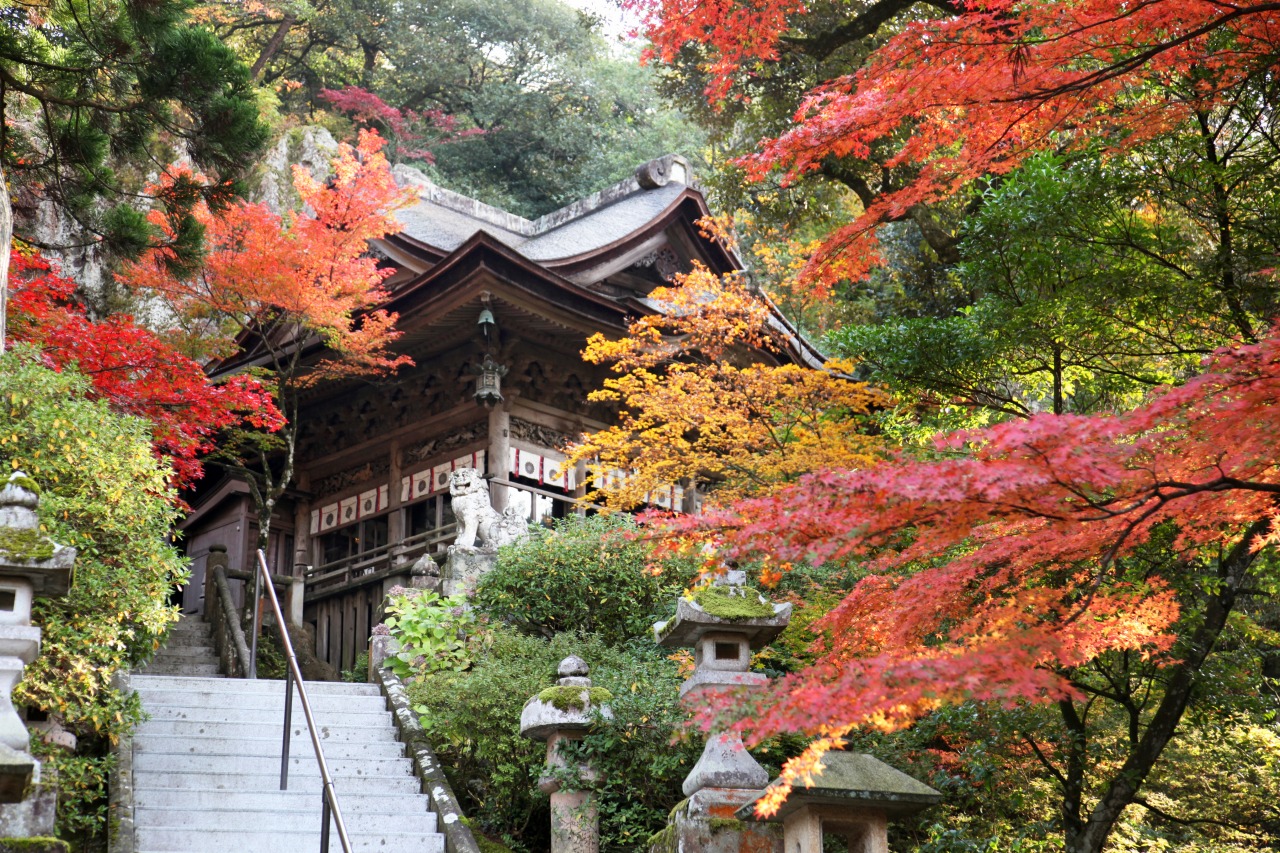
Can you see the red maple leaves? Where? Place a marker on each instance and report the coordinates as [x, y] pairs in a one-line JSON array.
[[976, 93], [135, 370], [994, 571]]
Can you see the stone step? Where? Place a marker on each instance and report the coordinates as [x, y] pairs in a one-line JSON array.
[[176, 639], [206, 767], [198, 670], [372, 713], [292, 815], [238, 747], [191, 626], [145, 685], [212, 700], [332, 731], [173, 780], [302, 794], [187, 650], [178, 839], [155, 766]]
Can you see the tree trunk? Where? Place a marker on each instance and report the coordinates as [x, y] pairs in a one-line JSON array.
[[6, 237], [1125, 784], [273, 46]]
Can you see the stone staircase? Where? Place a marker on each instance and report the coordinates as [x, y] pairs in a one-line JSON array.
[[188, 651], [206, 767]]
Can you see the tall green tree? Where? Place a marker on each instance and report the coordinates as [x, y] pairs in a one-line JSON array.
[[1091, 284], [563, 111], [91, 91]]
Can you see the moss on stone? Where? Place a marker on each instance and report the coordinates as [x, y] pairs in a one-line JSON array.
[[720, 603], [570, 697], [33, 845], [725, 824], [662, 841], [25, 544], [488, 846], [22, 481]]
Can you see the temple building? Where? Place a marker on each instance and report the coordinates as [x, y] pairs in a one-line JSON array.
[[495, 311]]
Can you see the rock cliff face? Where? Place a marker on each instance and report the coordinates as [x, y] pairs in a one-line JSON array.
[[83, 261], [310, 147]]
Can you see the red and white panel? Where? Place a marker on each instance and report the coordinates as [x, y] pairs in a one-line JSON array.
[[347, 510]]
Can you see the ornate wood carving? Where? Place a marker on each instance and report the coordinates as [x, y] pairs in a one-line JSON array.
[[540, 435], [429, 448], [374, 470]]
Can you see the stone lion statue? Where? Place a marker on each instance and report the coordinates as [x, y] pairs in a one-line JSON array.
[[476, 515]]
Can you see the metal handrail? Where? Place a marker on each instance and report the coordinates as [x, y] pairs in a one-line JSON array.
[[329, 795]]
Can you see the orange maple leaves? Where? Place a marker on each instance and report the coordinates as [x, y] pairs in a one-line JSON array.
[[283, 278], [977, 93]]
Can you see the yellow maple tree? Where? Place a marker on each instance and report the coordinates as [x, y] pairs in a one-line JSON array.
[[709, 391]]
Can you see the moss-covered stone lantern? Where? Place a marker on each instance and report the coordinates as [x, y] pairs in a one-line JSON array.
[[851, 799], [31, 566], [561, 713], [722, 623]]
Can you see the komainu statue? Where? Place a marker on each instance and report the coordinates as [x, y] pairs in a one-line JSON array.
[[476, 515]]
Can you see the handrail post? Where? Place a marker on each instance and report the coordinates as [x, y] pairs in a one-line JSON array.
[[288, 729], [257, 620], [330, 803], [324, 819]]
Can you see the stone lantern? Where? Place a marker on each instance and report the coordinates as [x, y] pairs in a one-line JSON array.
[[722, 623], [853, 798], [31, 566], [559, 714]]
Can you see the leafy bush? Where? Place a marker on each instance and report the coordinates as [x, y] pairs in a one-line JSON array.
[[588, 574], [431, 631], [104, 493], [473, 721]]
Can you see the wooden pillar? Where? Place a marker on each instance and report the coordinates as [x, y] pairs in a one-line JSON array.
[[301, 556], [395, 521], [498, 454]]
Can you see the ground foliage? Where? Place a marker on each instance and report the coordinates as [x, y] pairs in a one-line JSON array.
[[473, 720], [104, 493], [587, 575]]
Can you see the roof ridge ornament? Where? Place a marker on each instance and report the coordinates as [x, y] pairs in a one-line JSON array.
[[662, 171]]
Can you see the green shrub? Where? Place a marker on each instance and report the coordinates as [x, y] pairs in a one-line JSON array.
[[588, 574], [473, 721], [431, 631], [104, 493]]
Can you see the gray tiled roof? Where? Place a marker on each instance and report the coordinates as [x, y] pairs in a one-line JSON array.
[[446, 220]]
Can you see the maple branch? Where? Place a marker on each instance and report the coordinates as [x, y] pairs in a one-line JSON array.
[[1044, 760], [866, 24], [1117, 69]]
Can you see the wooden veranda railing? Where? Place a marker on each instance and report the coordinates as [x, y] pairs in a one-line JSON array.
[[360, 569]]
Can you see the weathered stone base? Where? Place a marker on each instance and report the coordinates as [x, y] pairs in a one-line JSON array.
[[31, 818], [705, 823], [464, 568]]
